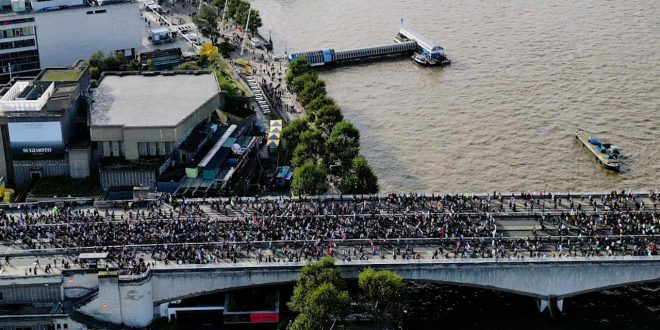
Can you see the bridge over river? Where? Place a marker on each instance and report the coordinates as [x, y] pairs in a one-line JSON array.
[[548, 248], [129, 299]]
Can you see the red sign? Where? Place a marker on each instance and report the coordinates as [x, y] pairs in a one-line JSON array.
[[264, 317]]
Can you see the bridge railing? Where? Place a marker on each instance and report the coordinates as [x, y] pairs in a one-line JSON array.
[[387, 262], [339, 242], [536, 195]]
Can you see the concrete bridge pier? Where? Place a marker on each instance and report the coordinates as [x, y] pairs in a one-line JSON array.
[[122, 300], [551, 304]]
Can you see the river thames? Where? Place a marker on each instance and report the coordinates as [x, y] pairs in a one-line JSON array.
[[524, 75]]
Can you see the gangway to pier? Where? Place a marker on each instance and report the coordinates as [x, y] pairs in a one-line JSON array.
[[424, 45]]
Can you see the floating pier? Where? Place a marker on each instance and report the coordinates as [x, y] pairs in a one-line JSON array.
[[330, 56], [407, 41]]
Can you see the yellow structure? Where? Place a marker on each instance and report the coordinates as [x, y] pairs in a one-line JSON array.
[[274, 134]]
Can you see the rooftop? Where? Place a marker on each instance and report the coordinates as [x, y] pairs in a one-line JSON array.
[[60, 75], [26, 96], [139, 100], [40, 6]]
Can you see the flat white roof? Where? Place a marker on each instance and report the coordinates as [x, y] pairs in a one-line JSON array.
[[11, 102], [148, 101]]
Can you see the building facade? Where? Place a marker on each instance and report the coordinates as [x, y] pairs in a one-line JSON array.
[[138, 120], [36, 34], [40, 127]]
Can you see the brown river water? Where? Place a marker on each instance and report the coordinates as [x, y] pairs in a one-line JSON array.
[[524, 75]]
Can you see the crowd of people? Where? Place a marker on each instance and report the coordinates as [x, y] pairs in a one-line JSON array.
[[284, 229]]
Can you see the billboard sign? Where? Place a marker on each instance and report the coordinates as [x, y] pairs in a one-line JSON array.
[[36, 140]]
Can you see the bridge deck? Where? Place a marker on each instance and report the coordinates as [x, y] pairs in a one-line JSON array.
[[512, 229]]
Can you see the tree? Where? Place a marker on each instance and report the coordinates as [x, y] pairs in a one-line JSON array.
[[296, 68], [314, 139], [291, 133], [360, 179], [323, 302], [310, 148], [226, 48], [340, 152], [298, 83], [319, 102], [309, 179], [312, 90], [255, 21], [347, 130], [327, 117], [313, 275], [94, 72], [209, 52], [302, 154], [206, 21], [111, 63], [232, 7], [241, 13], [121, 59], [319, 294], [381, 293], [97, 60]]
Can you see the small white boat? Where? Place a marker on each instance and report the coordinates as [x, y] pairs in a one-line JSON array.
[[420, 59]]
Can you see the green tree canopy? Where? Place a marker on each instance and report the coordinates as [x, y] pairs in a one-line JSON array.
[[347, 130], [97, 60], [327, 117], [225, 48], [340, 152], [381, 293], [319, 102], [298, 83], [323, 302], [206, 21], [360, 179], [100, 63], [309, 179], [255, 21], [314, 139], [303, 154], [313, 275], [94, 72], [312, 90], [296, 68], [291, 133], [239, 11]]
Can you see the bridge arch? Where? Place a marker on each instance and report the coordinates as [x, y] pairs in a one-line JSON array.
[[548, 280], [538, 278]]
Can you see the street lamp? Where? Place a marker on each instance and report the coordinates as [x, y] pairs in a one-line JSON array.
[[247, 27], [544, 193]]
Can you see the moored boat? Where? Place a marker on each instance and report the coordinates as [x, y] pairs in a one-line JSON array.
[[606, 154], [420, 59]]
